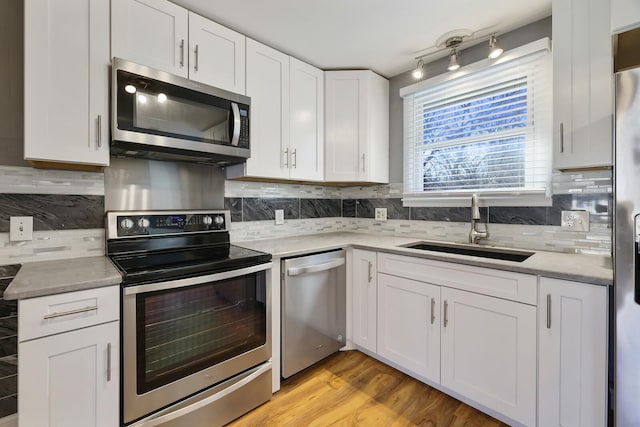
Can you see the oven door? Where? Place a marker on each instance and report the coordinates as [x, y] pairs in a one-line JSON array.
[[187, 335]]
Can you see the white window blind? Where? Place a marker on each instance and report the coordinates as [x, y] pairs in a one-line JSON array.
[[484, 129]]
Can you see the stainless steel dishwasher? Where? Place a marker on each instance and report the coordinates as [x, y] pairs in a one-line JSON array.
[[313, 309]]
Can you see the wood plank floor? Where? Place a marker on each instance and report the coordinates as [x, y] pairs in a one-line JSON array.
[[352, 389]]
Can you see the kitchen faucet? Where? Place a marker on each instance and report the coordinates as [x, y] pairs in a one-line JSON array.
[[474, 234]]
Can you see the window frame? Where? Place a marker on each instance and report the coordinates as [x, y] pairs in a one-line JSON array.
[[493, 197]]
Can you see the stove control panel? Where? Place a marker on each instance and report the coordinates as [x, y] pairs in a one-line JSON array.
[[151, 223]]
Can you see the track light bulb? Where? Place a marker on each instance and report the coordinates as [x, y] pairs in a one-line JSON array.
[[418, 73], [453, 61], [494, 50]]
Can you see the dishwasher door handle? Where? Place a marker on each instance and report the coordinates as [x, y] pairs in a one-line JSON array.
[[296, 271]]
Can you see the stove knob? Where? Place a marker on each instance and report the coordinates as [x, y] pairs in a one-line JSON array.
[[206, 220], [219, 220], [143, 223], [126, 224]]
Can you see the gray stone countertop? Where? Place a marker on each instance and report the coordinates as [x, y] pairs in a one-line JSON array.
[[593, 269], [42, 278]]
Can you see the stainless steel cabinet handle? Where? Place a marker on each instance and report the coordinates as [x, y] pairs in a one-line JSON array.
[[446, 317], [296, 271], [548, 311], [99, 131], [562, 137], [181, 53], [294, 157], [363, 162], [433, 310], [286, 158], [370, 267], [195, 66], [108, 362], [70, 312]]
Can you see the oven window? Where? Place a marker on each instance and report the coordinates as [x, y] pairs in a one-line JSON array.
[[182, 331]]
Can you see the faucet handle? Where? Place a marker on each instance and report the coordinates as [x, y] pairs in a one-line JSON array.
[[475, 209]]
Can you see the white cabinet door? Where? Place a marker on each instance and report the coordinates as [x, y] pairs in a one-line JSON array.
[[409, 325], [152, 33], [268, 87], [582, 83], [572, 386], [66, 81], [307, 121], [625, 15], [216, 54], [357, 126], [70, 379], [489, 352], [365, 303]]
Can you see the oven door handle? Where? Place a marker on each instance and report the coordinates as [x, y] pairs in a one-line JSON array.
[[207, 401], [296, 271], [191, 281]]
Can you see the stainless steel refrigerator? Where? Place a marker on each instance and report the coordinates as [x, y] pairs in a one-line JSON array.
[[627, 245]]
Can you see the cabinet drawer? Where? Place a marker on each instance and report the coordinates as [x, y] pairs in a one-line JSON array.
[[498, 283], [54, 314]]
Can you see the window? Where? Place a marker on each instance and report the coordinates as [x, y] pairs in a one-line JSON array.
[[484, 129]]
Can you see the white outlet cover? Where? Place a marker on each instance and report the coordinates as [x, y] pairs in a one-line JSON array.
[[20, 228], [381, 214], [575, 220]]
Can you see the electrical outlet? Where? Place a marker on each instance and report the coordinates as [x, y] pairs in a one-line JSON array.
[[20, 228], [575, 220], [279, 216], [381, 214]]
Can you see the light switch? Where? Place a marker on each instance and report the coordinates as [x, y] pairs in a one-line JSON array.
[[20, 228], [279, 216]]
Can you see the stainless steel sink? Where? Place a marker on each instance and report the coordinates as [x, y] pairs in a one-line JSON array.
[[480, 251]]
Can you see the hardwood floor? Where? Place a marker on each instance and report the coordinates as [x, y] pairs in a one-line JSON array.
[[352, 389]]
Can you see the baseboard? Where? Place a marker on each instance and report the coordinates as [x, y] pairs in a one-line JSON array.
[[10, 421]]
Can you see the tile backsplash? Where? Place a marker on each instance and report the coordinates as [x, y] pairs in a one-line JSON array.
[[68, 210]]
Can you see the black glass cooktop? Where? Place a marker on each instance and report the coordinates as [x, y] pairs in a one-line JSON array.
[[160, 266]]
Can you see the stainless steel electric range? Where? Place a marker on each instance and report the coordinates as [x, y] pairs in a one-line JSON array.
[[195, 318]]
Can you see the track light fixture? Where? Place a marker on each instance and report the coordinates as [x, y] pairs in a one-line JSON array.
[[453, 42], [418, 73], [453, 60], [494, 50]]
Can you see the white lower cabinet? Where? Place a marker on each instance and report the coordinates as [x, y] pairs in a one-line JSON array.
[[68, 359], [409, 325], [70, 379], [469, 330], [365, 300], [489, 352], [572, 387]]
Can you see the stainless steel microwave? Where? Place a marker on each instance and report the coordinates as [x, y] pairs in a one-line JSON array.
[[157, 115]]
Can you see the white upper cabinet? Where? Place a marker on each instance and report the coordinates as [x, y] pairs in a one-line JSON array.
[[154, 33], [66, 81], [625, 15], [582, 84], [167, 37], [572, 328], [306, 106], [216, 54], [268, 87], [287, 117], [356, 126]]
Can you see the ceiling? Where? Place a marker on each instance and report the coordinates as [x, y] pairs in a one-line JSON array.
[[382, 35]]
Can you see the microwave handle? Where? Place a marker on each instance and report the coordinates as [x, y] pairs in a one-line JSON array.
[[235, 111]]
